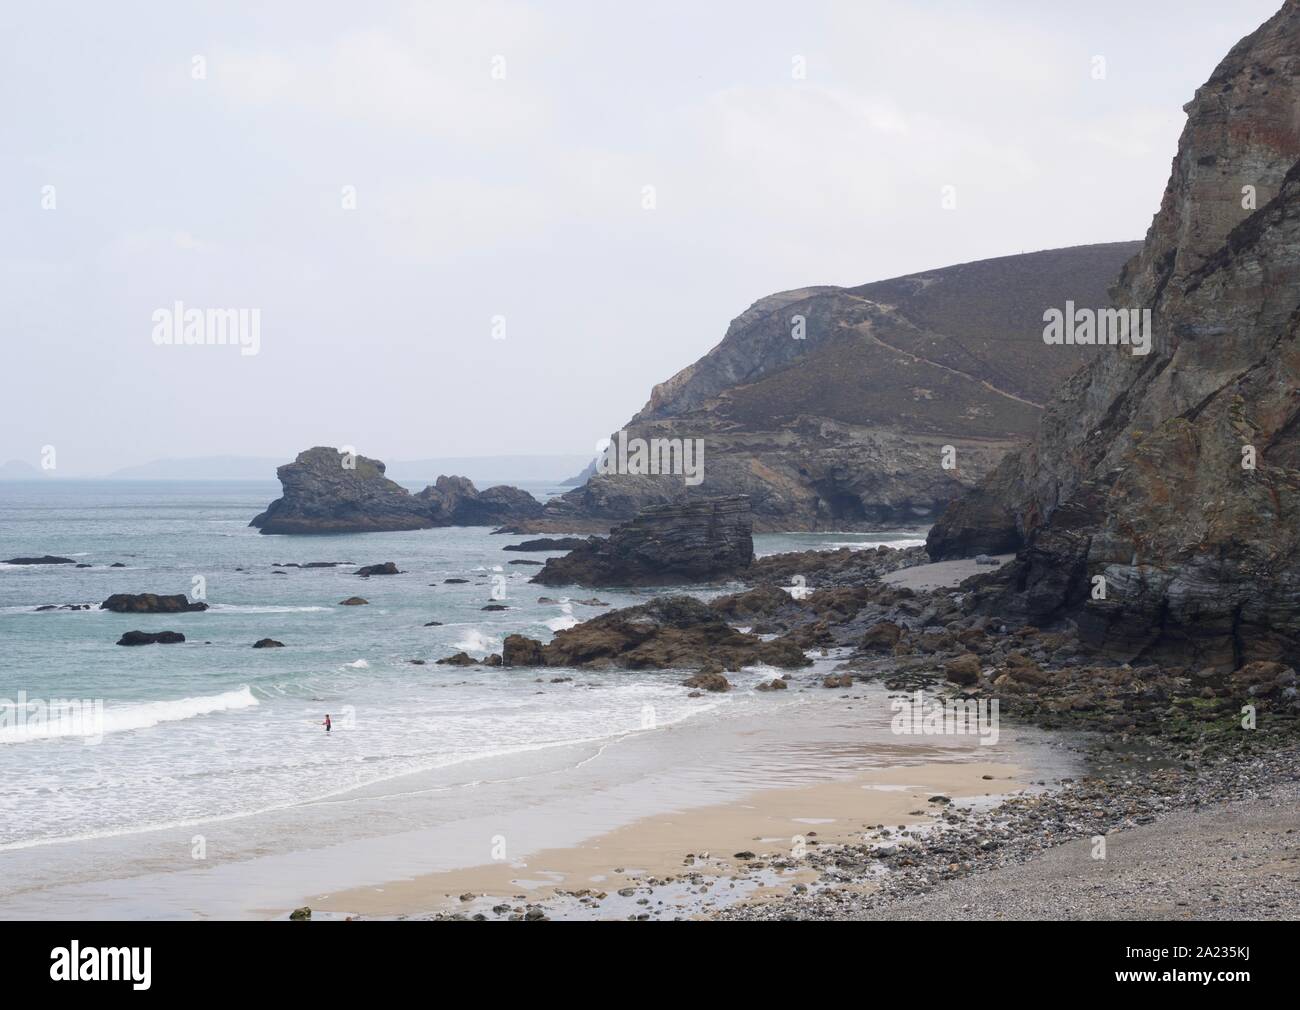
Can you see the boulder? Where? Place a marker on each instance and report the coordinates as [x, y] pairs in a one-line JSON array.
[[518, 650], [387, 568], [964, 670], [707, 681], [354, 601], [150, 603], [267, 643], [151, 638]]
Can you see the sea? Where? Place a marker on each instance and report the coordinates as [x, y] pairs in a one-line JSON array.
[[207, 760]]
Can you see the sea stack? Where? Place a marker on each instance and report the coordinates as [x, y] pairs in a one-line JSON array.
[[695, 541]]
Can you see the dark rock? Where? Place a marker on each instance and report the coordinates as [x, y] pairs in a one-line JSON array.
[[150, 603], [459, 659], [151, 638], [707, 681], [267, 643], [666, 633], [48, 559], [524, 561], [300, 914], [517, 650], [548, 544], [495, 606], [355, 601], [321, 495], [964, 670], [664, 545], [387, 568]]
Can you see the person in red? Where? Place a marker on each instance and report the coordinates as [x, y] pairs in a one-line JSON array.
[[326, 723]]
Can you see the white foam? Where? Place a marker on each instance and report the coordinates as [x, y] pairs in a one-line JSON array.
[[119, 719], [476, 641], [360, 664]]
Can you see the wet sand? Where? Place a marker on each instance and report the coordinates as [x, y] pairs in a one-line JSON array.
[[941, 574], [686, 863]]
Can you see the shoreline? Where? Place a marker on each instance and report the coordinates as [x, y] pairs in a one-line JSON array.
[[693, 862]]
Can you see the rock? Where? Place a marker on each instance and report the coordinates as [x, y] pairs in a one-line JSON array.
[[517, 650], [883, 635], [325, 491], [1140, 471], [707, 682], [47, 559], [525, 561], [666, 633], [455, 582], [267, 643], [300, 914], [117, 564], [495, 606], [761, 601], [150, 603], [964, 670], [151, 638], [387, 568], [356, 601], [664, 545], [433, 624], [548, 544], [838, 680], [984, 559], [776, 684], [459, 659]]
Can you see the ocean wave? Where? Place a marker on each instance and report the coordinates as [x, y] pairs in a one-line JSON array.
[[79, 720], [476, 641]]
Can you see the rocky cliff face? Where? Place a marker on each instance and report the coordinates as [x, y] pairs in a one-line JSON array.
[[1175, 477], [697, 541], [322, 495], [829, 407]]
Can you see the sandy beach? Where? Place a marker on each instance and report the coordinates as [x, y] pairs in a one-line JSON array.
[[692, 862]]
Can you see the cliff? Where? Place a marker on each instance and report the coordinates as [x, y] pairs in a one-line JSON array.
[[1174, 477], [829, 407]]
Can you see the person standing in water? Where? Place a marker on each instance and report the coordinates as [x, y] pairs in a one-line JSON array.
[[326, 723]]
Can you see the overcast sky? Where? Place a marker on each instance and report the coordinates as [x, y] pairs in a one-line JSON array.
[[500, 154]]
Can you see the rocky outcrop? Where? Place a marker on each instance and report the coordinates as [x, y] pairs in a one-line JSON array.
[[696, 541], [384, 568], [151, 638], [150, 603], [672, 632], [267, 643], [326, 491], [830, 407], [47, 559], [548, 544], [1159, 506]]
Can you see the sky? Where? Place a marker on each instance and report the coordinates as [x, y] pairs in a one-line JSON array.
[[488, 227]]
